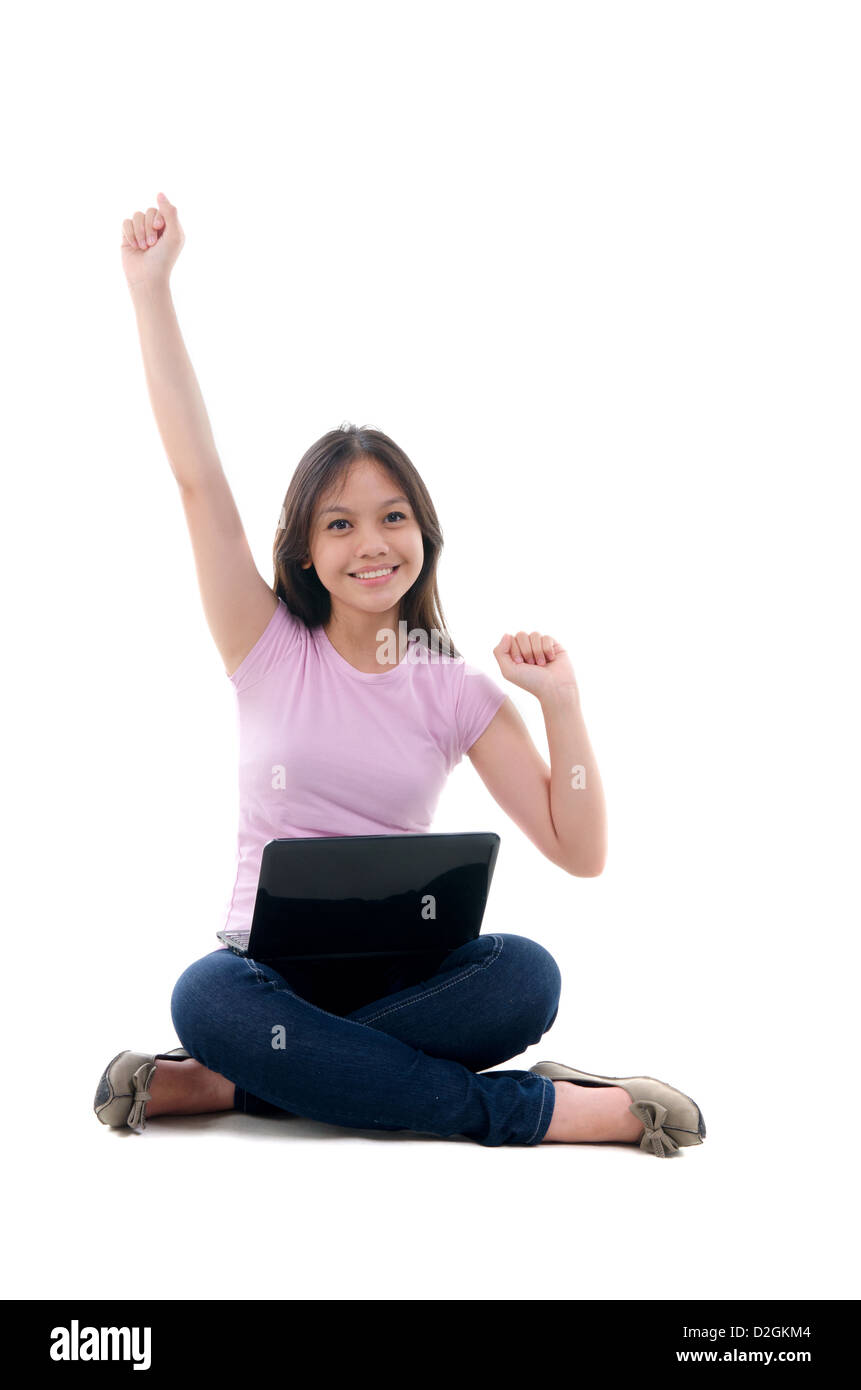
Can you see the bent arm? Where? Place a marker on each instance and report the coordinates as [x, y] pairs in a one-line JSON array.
[[566, 823], [577, 805]]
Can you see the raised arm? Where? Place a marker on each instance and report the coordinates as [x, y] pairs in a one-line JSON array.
[[237, 601]]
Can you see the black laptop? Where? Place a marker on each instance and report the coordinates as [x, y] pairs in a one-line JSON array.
[[412, 898]]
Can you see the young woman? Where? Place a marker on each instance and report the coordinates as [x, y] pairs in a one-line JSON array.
[[341, 734]]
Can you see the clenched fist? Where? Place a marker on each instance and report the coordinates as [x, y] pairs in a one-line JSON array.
[[536, 662], [151, 243]]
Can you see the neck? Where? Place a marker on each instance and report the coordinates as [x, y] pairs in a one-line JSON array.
[[354, 634]]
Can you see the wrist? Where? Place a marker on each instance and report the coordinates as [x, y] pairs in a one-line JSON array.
[[149, 289], [560, 697]]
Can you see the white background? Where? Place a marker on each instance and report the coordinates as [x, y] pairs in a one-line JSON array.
[[595, 268]]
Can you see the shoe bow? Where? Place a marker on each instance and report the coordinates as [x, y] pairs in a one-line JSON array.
[[140, 1081], [654, 1140]]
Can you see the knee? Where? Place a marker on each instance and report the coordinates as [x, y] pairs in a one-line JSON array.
[[194, 1001], [536, 981]]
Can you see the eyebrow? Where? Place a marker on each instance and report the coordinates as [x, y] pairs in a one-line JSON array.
[[387, 503]]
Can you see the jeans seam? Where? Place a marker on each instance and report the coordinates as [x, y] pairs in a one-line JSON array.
[[464, 974], [258, 974], [541, 1111]]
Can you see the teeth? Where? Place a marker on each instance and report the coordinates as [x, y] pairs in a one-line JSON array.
[[373, 574]]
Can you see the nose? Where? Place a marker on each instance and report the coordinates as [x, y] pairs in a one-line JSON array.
[[370, 545]]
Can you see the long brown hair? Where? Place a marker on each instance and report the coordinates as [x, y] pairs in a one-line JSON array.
[[322, 467]]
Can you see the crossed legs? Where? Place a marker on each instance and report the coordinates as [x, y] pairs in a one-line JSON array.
[[412, 1059]]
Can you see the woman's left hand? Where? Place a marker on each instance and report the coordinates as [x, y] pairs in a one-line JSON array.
[[535, 662]]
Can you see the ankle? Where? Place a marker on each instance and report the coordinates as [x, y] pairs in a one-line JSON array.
[[592, 1114], [186, 1087]]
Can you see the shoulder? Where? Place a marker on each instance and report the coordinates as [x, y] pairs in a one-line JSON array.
[[279, 642]]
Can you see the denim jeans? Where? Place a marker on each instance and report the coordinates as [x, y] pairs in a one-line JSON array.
[[373, 1047]]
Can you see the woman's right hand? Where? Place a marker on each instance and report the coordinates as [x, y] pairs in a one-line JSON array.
[[151, 243]]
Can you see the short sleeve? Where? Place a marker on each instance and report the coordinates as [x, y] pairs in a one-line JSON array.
[[274, 646], [477, 700]]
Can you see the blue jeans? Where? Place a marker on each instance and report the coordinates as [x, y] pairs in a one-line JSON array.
[[369, 1047]]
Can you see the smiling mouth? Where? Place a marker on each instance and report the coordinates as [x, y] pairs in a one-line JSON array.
[[374, 576]]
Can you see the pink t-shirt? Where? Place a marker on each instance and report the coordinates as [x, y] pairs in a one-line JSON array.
[[325, 749]]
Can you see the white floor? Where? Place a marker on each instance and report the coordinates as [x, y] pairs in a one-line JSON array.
[[232, 1205]]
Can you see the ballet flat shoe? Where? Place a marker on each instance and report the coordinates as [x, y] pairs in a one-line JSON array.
[[123, 1091], [671, 1119]]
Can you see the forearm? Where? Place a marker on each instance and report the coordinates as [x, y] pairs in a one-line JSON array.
[[174, 392], [577, 806]]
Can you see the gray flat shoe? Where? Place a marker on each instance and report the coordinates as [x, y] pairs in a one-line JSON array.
[[123, 1090], [671, 1119]]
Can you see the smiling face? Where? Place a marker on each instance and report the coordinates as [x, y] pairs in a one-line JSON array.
[[366, 524]]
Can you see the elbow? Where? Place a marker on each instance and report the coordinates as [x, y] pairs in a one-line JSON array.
[[583, 867], [586, 871], [589, 862]]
